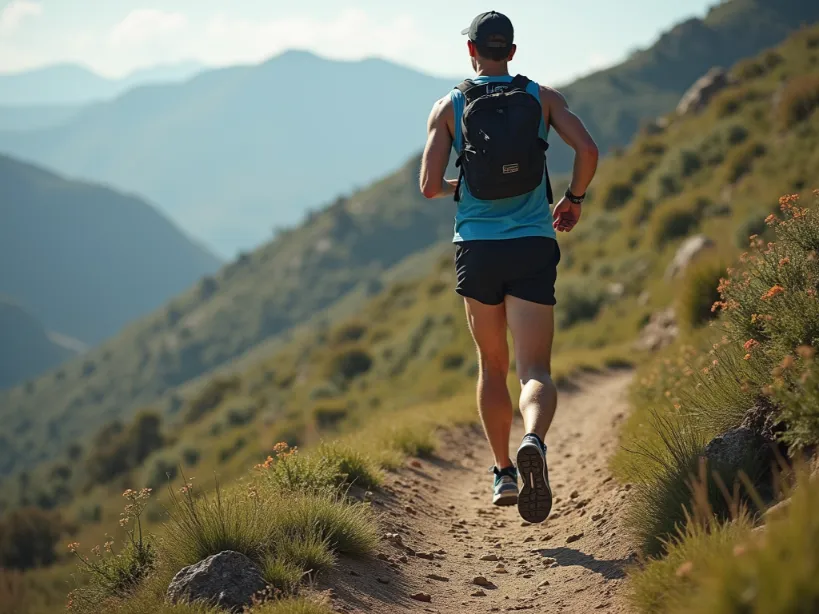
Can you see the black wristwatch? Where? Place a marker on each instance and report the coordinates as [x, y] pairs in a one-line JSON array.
[[577, 200]]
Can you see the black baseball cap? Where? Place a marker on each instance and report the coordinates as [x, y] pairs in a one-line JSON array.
[[491, 30]]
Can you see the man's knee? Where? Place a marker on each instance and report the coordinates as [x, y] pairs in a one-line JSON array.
[[537, 370]]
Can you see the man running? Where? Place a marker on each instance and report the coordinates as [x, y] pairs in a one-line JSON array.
[[506, 253]]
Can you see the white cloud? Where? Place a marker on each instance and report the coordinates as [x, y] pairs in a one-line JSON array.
[[17, 11], [352, 34], [142, 25]]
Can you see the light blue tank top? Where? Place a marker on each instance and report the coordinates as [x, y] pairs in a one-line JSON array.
[[527, 215]]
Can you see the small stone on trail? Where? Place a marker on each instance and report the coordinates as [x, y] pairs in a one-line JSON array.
[[596, 517], [500, 568], [543, 584], [546, 537], [409, 509], [383, 580], [425, 555], [525, 524], [573, 538], [403, 559], [528, 539], [435, 576], [468, 555], [354, 573], [478, 593], [489, 557], [425, 597], [416, 463], [481, 581], [382, 557], [549, 560], [394, 538], [574, 494]]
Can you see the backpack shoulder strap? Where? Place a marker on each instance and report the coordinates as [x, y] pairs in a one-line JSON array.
[[520, 82], [470, 90]]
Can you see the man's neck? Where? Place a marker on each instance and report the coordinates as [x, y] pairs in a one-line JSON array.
[[499, 70]]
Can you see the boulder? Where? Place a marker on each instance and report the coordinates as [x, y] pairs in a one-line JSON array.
[[686, 253], [228, 580], [660, 331], [703, 91], [734, 448]]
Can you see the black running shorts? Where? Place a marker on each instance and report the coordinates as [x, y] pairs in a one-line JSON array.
[[525, 268]]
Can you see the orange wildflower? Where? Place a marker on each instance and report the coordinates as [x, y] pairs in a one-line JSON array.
[[750, 344], [771, 219], [772, 292]]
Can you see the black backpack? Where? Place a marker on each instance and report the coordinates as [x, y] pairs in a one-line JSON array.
[[502, 154]]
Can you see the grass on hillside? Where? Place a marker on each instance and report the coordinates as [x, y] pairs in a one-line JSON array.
[[758, 354], [291, 531], [730, 568]]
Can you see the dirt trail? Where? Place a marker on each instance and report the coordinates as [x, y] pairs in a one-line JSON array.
[[444, 532]]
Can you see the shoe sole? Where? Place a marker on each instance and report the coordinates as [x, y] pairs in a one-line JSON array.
[[535, 498], [505, 499]]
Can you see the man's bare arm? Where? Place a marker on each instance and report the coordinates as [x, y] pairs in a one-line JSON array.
[[574, 133], [436, 152]]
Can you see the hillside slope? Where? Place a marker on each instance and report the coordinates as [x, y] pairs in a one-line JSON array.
[[85, 260], [234, 152], [615, 102], [25, 348]]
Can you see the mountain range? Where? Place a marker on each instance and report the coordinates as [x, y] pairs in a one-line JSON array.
[[71, 84]]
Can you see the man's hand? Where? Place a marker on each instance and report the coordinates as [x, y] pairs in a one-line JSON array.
[[566, 215]]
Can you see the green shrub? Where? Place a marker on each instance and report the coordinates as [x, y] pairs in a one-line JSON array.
[[349, 364], [329, 416], [698, 291], [800, 99], [753, 226], [28, 537], [578, 301], [351, 465], [617, 195], [349, 332], [283, 577], [211, 396], [741, 159], [116, 450], [452, 360], [673, 223], [412, 439]]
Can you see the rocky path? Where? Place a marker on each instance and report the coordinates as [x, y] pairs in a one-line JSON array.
[[446, 549]]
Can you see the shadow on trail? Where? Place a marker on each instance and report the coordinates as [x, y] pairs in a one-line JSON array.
[[613, 569]]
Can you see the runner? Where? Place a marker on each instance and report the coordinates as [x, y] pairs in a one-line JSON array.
[[506, 252]]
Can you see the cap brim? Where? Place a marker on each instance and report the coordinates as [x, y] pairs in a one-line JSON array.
[[465, 31]]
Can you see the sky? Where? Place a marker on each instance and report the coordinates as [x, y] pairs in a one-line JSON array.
[[557, 41]]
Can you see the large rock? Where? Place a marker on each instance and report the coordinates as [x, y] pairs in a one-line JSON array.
[[704, 89], [736, 447], [228, 580], [660, 331], [686, 253]]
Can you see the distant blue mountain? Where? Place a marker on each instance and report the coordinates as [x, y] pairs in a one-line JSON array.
[[68, 84]]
